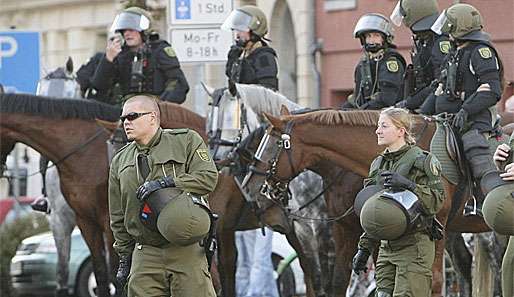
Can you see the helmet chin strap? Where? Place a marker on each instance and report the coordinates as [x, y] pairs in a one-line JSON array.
[[373, 47]]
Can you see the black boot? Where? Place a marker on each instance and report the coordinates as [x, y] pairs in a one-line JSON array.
[[62, 292]]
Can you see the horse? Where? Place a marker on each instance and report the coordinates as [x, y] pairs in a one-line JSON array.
[[231, 119], [323, 135], [59, 83], [67, 131]]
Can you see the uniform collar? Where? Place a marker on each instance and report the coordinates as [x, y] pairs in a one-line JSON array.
[[393, 155], [153, 142]]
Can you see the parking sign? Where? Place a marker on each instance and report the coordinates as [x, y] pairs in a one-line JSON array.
[[19, 61]]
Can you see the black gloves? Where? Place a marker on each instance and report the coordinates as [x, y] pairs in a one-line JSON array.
[[394, 180], [151, 186], [460, 119], [360, 260], [123, 270], [234, 52]]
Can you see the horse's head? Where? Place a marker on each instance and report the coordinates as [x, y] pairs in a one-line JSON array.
[[277, 161], [59, 83]]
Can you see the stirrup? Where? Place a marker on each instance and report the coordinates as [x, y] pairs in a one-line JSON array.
[[472, 210]]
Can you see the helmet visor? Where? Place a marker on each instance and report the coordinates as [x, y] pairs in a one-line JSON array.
[[128, 20], [406, 198], [442, 24], [372, 23], [237, 20], [397, 14]]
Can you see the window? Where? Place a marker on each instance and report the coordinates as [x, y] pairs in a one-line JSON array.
[[340, 4]]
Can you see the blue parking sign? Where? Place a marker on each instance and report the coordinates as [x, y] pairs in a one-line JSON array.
[[19, 61], [182, 9]]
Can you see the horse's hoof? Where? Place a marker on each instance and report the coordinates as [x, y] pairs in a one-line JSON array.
[[41, 205]]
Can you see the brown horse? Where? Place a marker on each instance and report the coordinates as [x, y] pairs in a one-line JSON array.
[[347, 139], [66, 132]]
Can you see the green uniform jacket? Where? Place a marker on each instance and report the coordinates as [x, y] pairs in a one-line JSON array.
[[423, 168], [180, 153]]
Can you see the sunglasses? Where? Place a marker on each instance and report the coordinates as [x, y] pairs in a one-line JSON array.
[[133, 115]]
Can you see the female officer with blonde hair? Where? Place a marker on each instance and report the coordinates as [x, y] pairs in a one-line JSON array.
[[406, 193]]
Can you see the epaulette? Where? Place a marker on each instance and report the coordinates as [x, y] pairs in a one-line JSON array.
[[177, 131]]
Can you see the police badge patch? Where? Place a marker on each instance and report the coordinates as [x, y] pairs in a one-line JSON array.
[[445, 46], [392, 65], [485, 52], [170, 51], [203, 154]]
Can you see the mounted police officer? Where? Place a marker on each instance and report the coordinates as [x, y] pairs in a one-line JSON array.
[[250, 60], [379, 74], [428, 52], [158, 212], [471, 88], [397, 208], [139, 61]]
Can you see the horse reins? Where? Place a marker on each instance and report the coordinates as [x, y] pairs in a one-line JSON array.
[[76, 149]]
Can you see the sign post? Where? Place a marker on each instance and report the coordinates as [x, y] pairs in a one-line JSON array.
[[19, 61]]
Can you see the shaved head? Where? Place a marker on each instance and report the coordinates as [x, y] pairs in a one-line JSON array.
[[145, 102]]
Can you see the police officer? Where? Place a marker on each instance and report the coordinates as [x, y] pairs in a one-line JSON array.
[[250, 60], [157, 185], [499, 211], [379, 74], [85, 75], [428, 52], [139, 61], [408, 194], [471, 88]]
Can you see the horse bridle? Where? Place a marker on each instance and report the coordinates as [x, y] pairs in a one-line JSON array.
[[274, 188]]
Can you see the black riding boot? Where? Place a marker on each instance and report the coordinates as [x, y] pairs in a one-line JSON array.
[[478, 155]]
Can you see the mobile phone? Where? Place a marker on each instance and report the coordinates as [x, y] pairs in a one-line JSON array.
[[119, 36]]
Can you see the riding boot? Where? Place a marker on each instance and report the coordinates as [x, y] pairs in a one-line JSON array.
[[478, 155], [41, 204]]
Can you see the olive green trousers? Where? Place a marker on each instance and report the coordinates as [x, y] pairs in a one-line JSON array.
[[508, 270], [404, 266], [178, 271]]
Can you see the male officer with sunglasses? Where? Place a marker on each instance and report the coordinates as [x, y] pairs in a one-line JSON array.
[[158, 212]]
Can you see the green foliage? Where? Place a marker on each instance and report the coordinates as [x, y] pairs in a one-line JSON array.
[[11, 236]]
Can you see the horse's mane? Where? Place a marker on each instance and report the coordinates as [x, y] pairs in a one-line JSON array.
[[339, 117], [62, 108], [171, 112], [262, 99]]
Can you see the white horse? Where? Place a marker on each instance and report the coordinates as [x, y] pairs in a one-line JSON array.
[[233, 118]]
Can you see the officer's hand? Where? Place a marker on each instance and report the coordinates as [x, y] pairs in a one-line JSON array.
[[151, 186], [501, 154], [360, 261], [123, 270], [113, 49], [460, 119], [394, 180], [234, 52], [509, 172]]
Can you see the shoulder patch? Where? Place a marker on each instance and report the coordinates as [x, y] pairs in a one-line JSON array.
[[432, 165], [485, 52], [392, 65], [170, 51], [203, 154], [179, 131], [445, 46]]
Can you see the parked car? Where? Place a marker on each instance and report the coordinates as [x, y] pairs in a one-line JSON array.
[[33, 268]]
